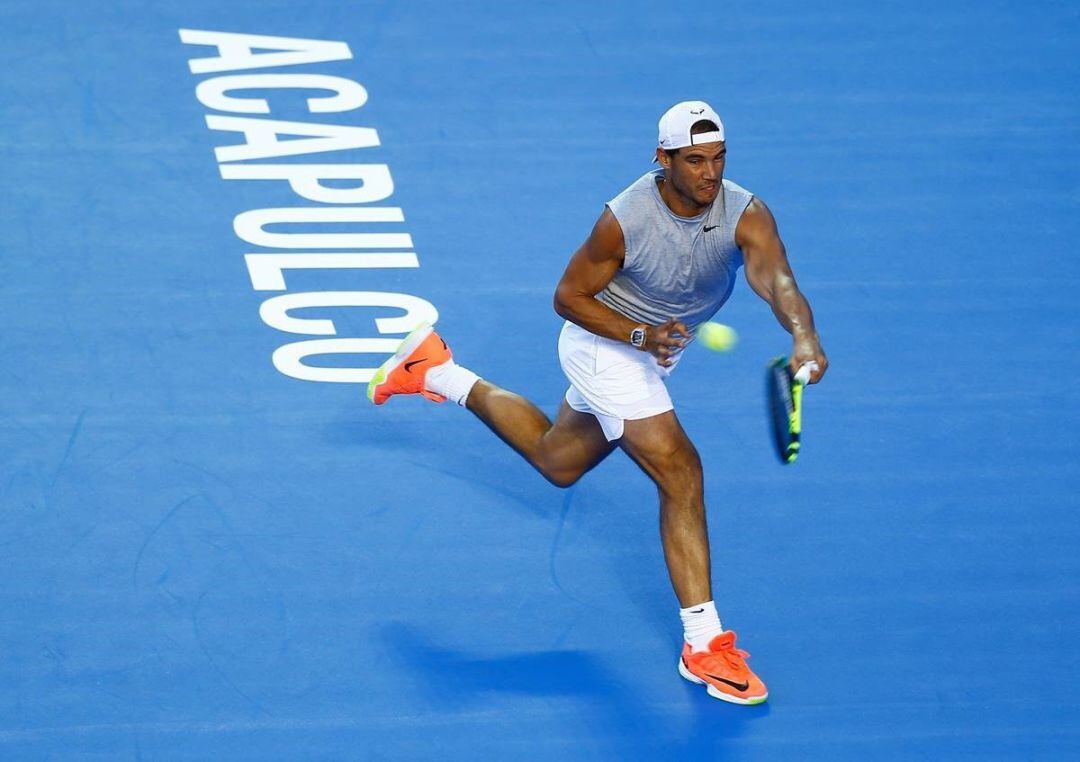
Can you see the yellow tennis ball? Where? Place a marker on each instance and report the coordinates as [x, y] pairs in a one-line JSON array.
[[717, 336]]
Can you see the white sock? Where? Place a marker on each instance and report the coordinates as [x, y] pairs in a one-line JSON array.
[[701, 624], [451, 381]]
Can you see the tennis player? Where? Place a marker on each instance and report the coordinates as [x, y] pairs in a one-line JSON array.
[[660, 261]]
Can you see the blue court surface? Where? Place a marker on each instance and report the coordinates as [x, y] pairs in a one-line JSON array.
[[204, 557]]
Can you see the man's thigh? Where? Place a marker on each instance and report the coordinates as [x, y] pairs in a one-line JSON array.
[[575, 442], [661, 447]]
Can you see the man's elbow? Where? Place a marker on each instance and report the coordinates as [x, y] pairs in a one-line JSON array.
[[561, 301]]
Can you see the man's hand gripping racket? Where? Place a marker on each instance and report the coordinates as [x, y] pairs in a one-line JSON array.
[[783, 390]]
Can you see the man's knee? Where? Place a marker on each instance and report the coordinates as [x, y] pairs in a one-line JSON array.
[[560, 475], [563, 479], [678, 468]]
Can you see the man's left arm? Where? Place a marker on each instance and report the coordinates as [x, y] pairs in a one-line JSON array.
[[769, 274]]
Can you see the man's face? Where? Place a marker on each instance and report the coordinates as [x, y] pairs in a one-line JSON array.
[[696, 171]]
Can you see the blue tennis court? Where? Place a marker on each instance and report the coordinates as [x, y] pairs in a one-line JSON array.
[[213, 545]]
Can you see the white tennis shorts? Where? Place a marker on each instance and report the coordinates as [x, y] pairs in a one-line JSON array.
[[611, 379]]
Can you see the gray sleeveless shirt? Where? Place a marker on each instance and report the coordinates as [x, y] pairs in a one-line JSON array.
[[674, 267]]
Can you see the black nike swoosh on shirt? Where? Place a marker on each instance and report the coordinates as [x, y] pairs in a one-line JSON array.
[[711, 227], [422, 359], [737, 686]]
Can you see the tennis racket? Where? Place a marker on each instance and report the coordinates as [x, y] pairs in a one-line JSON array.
[[783, 390]]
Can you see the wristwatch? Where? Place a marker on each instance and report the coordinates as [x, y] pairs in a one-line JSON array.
[[637, 337]]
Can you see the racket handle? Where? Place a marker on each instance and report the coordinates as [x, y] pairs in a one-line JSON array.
[[803, 374]]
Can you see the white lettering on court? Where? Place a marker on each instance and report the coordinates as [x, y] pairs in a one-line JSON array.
[[346, 191]]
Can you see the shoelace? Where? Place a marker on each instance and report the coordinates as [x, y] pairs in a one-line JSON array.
[[731, 657]]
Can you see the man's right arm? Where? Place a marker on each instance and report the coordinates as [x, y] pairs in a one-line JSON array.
[[590, 269]]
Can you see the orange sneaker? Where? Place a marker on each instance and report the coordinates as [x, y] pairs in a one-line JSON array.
[[723, 670], [404, 373]]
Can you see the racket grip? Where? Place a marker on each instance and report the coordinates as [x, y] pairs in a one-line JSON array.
[[803, 374]]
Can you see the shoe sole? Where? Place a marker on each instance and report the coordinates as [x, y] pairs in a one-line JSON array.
[[411, 342], [716, 692]]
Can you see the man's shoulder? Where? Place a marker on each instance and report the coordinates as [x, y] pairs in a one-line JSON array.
[[642, 184], [737, 201], [636, 200], [730, 186]]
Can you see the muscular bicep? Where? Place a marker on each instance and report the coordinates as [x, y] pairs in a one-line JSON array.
[[595, 263], [764, 256]]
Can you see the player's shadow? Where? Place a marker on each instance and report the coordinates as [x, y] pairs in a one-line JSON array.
[[609, 712], [464, 677]]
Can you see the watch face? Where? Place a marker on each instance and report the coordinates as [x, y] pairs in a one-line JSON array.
[[637, 337]]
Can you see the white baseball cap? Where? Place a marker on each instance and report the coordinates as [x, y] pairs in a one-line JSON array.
[[676, 122]]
